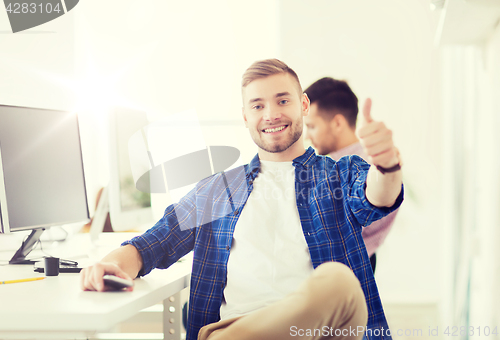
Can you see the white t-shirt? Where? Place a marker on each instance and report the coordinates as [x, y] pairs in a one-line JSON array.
[[269, 256]]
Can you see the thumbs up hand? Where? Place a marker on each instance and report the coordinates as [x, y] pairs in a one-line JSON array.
[[376, 139], [367, 108]]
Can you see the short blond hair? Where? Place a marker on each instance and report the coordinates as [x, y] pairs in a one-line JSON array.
[[265, 68]]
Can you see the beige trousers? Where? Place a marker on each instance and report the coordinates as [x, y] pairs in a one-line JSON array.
[[330, 304]]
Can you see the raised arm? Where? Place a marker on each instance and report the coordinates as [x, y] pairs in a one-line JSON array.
[[382, 189], [124, 262]]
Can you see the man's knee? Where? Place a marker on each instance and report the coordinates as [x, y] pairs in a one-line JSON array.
[[336, 275], [334, 284]]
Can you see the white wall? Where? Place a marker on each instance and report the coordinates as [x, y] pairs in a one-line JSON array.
[[485, 296], [494, 70], [384, 50], [169, 56]]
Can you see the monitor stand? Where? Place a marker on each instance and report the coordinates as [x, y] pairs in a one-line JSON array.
[[27, 246]]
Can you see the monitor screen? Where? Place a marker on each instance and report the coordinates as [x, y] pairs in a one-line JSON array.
[[128, 122], [42, 181], [130, 209]]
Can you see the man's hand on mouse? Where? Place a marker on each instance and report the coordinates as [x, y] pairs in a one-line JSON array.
[[91, 277]]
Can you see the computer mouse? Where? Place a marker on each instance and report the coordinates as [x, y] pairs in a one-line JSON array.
[[116, 282]]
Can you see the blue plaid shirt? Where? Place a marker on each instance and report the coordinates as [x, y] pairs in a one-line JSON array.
[[332, 207]]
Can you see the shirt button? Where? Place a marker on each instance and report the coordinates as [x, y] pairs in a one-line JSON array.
[[227, 247], [236, 212]]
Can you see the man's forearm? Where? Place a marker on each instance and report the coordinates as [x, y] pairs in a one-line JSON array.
[[127, 258], [382, 190]]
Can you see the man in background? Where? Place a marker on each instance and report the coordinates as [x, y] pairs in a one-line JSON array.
[[331, 127]]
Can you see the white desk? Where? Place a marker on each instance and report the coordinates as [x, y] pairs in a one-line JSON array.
[[56, 307]]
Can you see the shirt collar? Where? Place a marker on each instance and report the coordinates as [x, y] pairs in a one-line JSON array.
[[353, 149], [306, 159]]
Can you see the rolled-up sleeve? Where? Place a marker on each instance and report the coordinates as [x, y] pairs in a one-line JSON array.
[[353, 172], [168, 240]]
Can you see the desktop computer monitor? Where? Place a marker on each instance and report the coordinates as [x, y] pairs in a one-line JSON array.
[[129, 208], [42, 181]]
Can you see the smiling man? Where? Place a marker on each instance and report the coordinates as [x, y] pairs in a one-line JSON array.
[[281, 256], [274, 119]]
